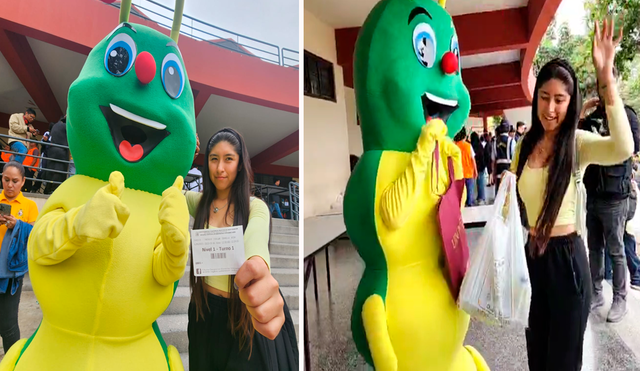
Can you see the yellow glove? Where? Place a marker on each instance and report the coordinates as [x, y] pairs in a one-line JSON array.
[[398, 198], [170, 258], [104, 215]]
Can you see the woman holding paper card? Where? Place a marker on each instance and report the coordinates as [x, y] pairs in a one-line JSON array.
[[236, 322]]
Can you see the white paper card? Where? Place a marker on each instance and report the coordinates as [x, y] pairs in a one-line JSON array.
[[218, 251]]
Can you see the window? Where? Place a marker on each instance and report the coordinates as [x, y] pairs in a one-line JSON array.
[[318, 77]]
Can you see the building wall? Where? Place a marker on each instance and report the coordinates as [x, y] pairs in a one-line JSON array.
[[519, 114], [326, 137], [355, 134]]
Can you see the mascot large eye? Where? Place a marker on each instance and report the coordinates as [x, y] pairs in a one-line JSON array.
[[121, 53], [424, 44], [455, 49], [172, 75]]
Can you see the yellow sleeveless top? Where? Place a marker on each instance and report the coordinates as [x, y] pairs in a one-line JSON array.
[[592, 149]]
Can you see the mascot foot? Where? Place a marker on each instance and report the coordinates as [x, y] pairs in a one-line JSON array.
[[9, 361], [481, 364], [175, 363]]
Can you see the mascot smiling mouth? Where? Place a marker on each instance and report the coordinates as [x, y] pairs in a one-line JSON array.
[[134, 136], [436, 107]]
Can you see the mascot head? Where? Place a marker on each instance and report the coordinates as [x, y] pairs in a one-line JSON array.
[[131, 108], [406, 71]]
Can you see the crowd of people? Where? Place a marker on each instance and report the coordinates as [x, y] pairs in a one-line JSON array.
[[36, 157], [486, 156]]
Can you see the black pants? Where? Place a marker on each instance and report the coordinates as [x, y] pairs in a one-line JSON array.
[[560, 301], [212, 347], [605, 226], [9, 329]]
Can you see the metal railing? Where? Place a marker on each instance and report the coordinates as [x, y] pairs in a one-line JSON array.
[[40, 169], [203, 31], [286, 60], [294, 192]]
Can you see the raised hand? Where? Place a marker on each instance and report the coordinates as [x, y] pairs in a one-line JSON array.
[[604, 50], [104, 215]]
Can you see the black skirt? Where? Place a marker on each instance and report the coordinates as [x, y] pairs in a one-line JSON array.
[[212, 347]]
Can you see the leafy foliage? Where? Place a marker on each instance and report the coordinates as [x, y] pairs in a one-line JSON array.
[[558, 42]]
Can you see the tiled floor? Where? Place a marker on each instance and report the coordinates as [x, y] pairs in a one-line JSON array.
[[504, 349]]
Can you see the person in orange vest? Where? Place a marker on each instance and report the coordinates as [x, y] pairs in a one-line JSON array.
[[31, 166], [468, 165], [6, 157]]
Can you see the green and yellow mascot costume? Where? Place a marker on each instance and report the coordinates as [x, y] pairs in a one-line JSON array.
[[111, 243], [406, 74]]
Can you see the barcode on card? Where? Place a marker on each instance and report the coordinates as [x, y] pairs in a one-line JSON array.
[[219, 255]]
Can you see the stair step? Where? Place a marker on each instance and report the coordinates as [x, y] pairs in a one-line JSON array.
[[291, 249], [185, 360], [180, 302], [284, 238], [284, 261], [292, 297], [184, 280], [286, 276], [284, 222], [283, 229], [174, 330]]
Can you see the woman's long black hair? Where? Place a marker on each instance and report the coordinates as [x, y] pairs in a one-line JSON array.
[[239, 198], [561, 162]]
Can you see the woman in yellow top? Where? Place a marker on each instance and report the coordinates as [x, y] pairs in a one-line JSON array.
[[23, 214], [469, 169], [236, 322], [556, 257]]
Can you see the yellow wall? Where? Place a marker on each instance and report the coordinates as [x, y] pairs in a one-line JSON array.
[[326, 138]]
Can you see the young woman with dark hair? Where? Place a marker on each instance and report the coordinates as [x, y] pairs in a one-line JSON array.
[[544, 166], [237, 322]]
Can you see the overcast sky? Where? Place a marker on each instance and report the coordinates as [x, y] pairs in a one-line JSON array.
[[573, 12], [272, 21]]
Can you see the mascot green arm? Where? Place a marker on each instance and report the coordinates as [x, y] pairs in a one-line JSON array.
[[57, 234]]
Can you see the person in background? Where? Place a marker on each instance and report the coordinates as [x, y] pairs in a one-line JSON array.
[[6, 157], [15, 228], [31, 164], [483, 160], [609, 198], [521, 127], [469, 170], [504, 150], [275, 203], [236, 322], [20, 127], [58, 136]]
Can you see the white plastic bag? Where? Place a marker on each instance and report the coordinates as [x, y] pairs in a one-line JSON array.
[[496, 288]]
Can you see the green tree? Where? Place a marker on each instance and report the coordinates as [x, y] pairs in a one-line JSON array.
[[558, 42], [630, 87], [629, 12]]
